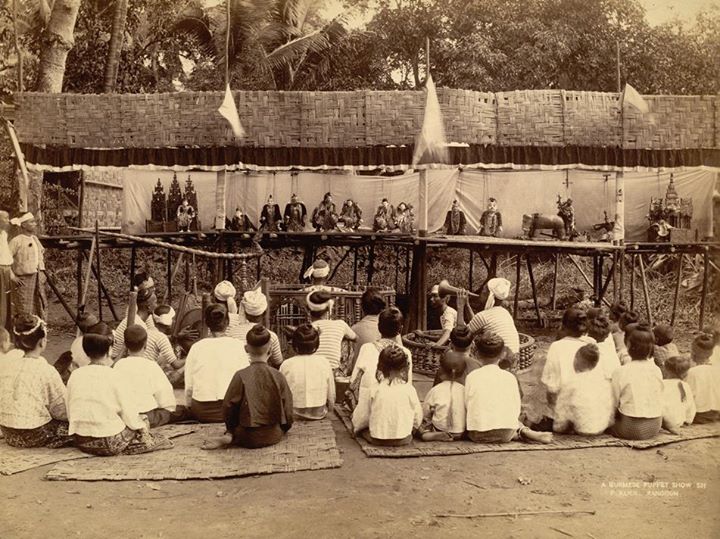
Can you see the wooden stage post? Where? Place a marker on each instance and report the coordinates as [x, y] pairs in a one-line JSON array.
[[646, 294], [632, 281], [703, 296], [678, 280], [418, 286], [534, 289], [553, 299], [133, 255], [97, 258], [517, 285]]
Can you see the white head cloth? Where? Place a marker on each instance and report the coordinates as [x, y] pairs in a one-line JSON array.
[[316, 307], [499, 288], [165, 319], [17, 221], [254, 302], [435, 290], [318, 270]]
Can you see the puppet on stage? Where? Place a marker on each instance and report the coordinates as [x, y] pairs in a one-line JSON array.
[[491, 220], [350, 216], [325, 217], [567, 213], [384, 220], [185, 215], [241, 222], [295, 215], [455, 221], [270, 219], [405, 218]]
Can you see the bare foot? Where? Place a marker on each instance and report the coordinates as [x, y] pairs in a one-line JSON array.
[[534, 436], [436, 437], [220, 442]]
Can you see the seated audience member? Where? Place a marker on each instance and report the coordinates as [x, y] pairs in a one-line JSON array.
[[149, 385], [366, 329], [585, 403], [210, 366], [79, 359], [599, 330], [146, 303], [460, 344], [309, 375], [559, 366], [224, 295], [444, 405], [318, 273], [496, 318], [390, 323], [390, 411], [678, 400], [103, 413], [492, 398], [715, 358], [664, 346], [629, 319], [254, 305], [617, 309], [159, 348], [258, 405], [6, 345], [704, 380], [638, 389], [332, 332], [32, 395]]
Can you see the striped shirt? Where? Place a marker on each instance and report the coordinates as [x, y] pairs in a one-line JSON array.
[[332, 333], [240, 332], [118, 349], [499, 321]]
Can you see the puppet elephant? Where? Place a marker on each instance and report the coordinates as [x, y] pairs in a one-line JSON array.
[[539, 221]]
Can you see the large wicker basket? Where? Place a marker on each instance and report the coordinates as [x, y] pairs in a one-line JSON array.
[[426, 354]]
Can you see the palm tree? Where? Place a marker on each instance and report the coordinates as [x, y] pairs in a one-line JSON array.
[[56, 41]]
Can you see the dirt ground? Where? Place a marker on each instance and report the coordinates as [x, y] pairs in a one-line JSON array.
[[670, 491]]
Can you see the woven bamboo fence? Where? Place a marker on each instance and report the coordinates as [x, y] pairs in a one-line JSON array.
[[365, 118]]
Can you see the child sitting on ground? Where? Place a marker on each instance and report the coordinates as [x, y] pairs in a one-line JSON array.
[[715, 358], [309, 375], [389, 412], [258, 405], [585, 403], [638, 388], [678, 400], [599, 329], [152, 390], [628, 320], [444, 405], [460, 343], [704, 380], [617, 309], [492, 398], [32, 395], [104, 417], [664, 346]]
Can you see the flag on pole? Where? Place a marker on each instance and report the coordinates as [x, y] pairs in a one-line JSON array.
[[230, 113], [430, 143], [630, 96]]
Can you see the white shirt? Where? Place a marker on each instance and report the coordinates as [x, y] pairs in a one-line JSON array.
[[715, 357], [367, 361], [311, 380], [499, 321], [448, 318], [585, 402], [704, 380], [609, 360], [638, 389], [439, 402], [79, 357], [31, 392], [332, 333], [559, 363], [150, 386], [492, 399], [101, 403], [390, 410], [675, 411], [210, 366]]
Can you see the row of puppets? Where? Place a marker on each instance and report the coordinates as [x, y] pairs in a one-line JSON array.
[[667, 217]]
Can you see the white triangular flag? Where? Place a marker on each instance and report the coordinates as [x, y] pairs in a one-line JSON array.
[[630, 96], [430, 143], [230, 113]]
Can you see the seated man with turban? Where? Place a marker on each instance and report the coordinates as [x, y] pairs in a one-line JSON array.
[[224, 294], [496, 318], [332, 332], [318, 273], [254, 304]]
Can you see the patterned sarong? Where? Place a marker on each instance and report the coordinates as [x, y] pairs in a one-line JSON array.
[[6, 313], [28, 297], [126, 442], [53, 434], [636, 428]]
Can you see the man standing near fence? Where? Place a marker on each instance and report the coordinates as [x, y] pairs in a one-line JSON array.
[[6, 274], [28, 267]]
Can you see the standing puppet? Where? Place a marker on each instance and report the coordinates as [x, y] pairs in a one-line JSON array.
[[491, 220], [384, 220], [351, 216], [270, 219], [405, 218], [324, 216], [185, 215], [295, 215], [567, 214], [455, 221], [241, 222], [7, 277], [28, 267]]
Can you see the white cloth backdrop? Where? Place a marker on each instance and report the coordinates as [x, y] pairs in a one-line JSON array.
[[517, 192]]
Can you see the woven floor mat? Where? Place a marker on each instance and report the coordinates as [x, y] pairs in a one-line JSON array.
[[464, 447], [307, 446], [14, 459], [691, 432]]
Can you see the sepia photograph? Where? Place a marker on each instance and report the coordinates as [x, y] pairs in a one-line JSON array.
[[359, 269]]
